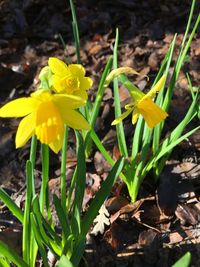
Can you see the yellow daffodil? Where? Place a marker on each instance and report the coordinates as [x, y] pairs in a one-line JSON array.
[[45, 115], [144, 105], [69, 79]]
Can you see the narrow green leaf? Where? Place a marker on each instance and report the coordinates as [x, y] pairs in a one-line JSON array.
[[11, 255], [63, 219], [38, 238], [97, 104], [184, 261], [10, 204], [80, 185], [119, 127], [26, 222]]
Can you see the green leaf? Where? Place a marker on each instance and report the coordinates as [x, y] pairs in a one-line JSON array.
[[80, 185], [26, 223], [119, 127], [184, 261], [97, 105], [63, 218], [11, 255], [38, 238], [10, 204], [64, 262]]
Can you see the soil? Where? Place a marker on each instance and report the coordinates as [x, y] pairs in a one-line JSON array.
[[164, 222]]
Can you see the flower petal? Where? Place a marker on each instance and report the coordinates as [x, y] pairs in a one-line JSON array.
[[135, 116], [85, 83], [58, 67], [123, 116], [19, 107], [56, 145], [57, 84], [81, 94], [75, 120], [157, 87], [25, 130], [65, 102], [77, 70], [151, 112]]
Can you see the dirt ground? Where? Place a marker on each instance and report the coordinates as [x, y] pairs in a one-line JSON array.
[[164, 223]]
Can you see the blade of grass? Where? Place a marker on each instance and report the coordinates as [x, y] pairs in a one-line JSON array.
[[63, 184], [80, 186], [10, 204], [26, 222], [38, 238], [119, 127], [104, 152], [11, 255], [75, 31], [97, 104]]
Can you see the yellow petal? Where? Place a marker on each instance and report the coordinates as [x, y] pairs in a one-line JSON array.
[[157, 87], [135, 116], [75, 120], [123, 116], [25, 130], [65, 102], [77, 70], [85, 83], [151, 112], [58, 67], [49, 124], [56, 145], [58, 84], [81, 94], [19, 107]]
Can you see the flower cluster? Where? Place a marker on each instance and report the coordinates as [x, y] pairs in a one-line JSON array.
[[63, 90], [45, 113]]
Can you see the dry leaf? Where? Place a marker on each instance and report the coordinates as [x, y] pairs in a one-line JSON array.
[[101, 220]]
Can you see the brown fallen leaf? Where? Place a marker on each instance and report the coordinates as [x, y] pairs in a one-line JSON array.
[[186, 215]]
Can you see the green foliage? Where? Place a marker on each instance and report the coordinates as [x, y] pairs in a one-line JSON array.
[[184, 261]]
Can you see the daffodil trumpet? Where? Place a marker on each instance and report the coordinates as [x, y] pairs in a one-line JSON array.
[[143, 104], [45, 115]]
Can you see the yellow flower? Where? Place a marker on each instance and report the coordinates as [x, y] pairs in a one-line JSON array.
[[143, 104], [45, 115], [69, 79]]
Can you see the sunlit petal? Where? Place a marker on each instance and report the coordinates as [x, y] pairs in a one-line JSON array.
[[77, 70], [58, 84], [135, 116], [82, 94], [25, 130], [56, 145], [151, 112], [123, 116], [157, 87], [85, 83], [65, 102], [75, 120], [19, 107], [58, 67], [49, 124]]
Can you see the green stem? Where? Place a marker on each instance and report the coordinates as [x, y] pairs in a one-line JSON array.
[[32, 160], [63, 170], [26, 223], [44, 198]]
